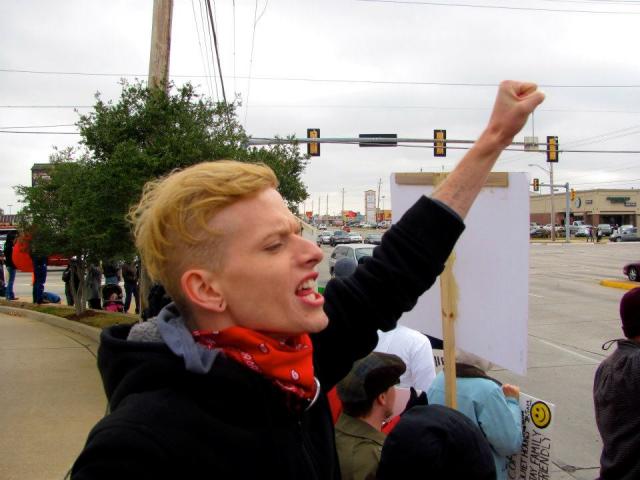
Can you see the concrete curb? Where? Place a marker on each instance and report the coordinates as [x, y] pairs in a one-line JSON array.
[[92, 333], [625, 285]]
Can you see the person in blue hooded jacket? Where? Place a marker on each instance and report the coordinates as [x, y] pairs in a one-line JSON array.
[[490, 405]]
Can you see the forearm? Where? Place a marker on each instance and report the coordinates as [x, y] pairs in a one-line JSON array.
[[462, 185]]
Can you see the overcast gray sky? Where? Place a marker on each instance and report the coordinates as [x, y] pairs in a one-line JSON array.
[[377, 67]]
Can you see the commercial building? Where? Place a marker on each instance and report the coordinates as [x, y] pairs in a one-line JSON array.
[[613, 206]]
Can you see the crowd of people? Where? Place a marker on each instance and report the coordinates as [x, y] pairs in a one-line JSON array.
[[100, 295]]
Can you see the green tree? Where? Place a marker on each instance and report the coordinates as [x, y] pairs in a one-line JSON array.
[[81, 210]]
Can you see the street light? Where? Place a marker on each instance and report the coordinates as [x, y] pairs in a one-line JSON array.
[[551, 188]]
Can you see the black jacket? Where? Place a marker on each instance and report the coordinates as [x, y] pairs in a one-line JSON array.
[[616, 394], [8, 251], [166, 422]]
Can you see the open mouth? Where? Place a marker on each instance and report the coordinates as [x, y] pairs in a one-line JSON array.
[[308, 292]]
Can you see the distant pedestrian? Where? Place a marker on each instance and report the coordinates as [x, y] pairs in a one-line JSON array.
[[11, 267], [111, 272], [616, 396], [131, 288], [39, 276]]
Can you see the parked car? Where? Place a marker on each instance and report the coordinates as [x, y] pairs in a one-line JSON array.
[[626, 233], [323, 238], [584, 231], [355, 251], [373, 238], [538, 232], [631, 270], [605, 228], [339, 236], [384, 224], [559, 228], [322, 226], [356, 238], [576, 225]]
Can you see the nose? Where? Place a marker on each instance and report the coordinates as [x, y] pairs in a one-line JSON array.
[[311, 253]]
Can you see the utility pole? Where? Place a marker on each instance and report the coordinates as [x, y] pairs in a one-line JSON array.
[[160, 44], [319, 210], [553, 208], [378, 207], [326, 206], [158, 78], [342, 210]]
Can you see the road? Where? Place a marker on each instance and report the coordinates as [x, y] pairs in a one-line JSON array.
[[570, 317]]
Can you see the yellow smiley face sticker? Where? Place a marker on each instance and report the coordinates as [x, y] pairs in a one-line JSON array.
[[540, 414]]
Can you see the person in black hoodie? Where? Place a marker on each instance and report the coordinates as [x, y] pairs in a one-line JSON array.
[[616, 396], [230, 380]]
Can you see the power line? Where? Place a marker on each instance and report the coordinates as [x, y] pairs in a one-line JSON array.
[[47, 106], [253, 39], [41, 133], [501, 7], [202, 57], [215, 43], [235, 90], [605, 183], [40, 126], [327, 80], [369, 107], [208, 48]]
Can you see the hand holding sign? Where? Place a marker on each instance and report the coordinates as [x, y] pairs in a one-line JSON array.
[[512, 391]]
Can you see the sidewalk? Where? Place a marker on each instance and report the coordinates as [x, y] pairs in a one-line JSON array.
[[50, 397]]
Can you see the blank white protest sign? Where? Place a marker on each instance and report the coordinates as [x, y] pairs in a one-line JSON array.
[[491, 270]]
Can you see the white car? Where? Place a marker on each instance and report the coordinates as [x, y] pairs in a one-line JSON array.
[[356, 251], [356, 238]]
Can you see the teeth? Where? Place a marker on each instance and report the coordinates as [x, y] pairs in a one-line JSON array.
[[311, 296], [307, 284]]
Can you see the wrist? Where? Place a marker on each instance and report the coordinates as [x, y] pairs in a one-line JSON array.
[[492, 139]]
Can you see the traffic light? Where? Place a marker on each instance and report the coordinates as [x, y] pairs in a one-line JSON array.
[[536, 185], [313, 148], [439, 149], [573, 194], [552, 149]]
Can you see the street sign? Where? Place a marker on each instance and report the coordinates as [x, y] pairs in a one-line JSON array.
[[313, 148], [379, 135], [530, 144], [439, 144]]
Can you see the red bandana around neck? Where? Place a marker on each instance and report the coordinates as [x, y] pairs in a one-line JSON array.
[[289, 364]]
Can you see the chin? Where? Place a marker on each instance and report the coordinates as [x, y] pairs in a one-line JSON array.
[[318, 324]]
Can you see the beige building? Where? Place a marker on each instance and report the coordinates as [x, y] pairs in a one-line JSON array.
[[591, 206]]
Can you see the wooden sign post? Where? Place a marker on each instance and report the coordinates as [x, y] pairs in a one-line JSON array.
[[449, 300]]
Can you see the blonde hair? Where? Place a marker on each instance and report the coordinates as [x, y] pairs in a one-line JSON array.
[[171, 221]]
